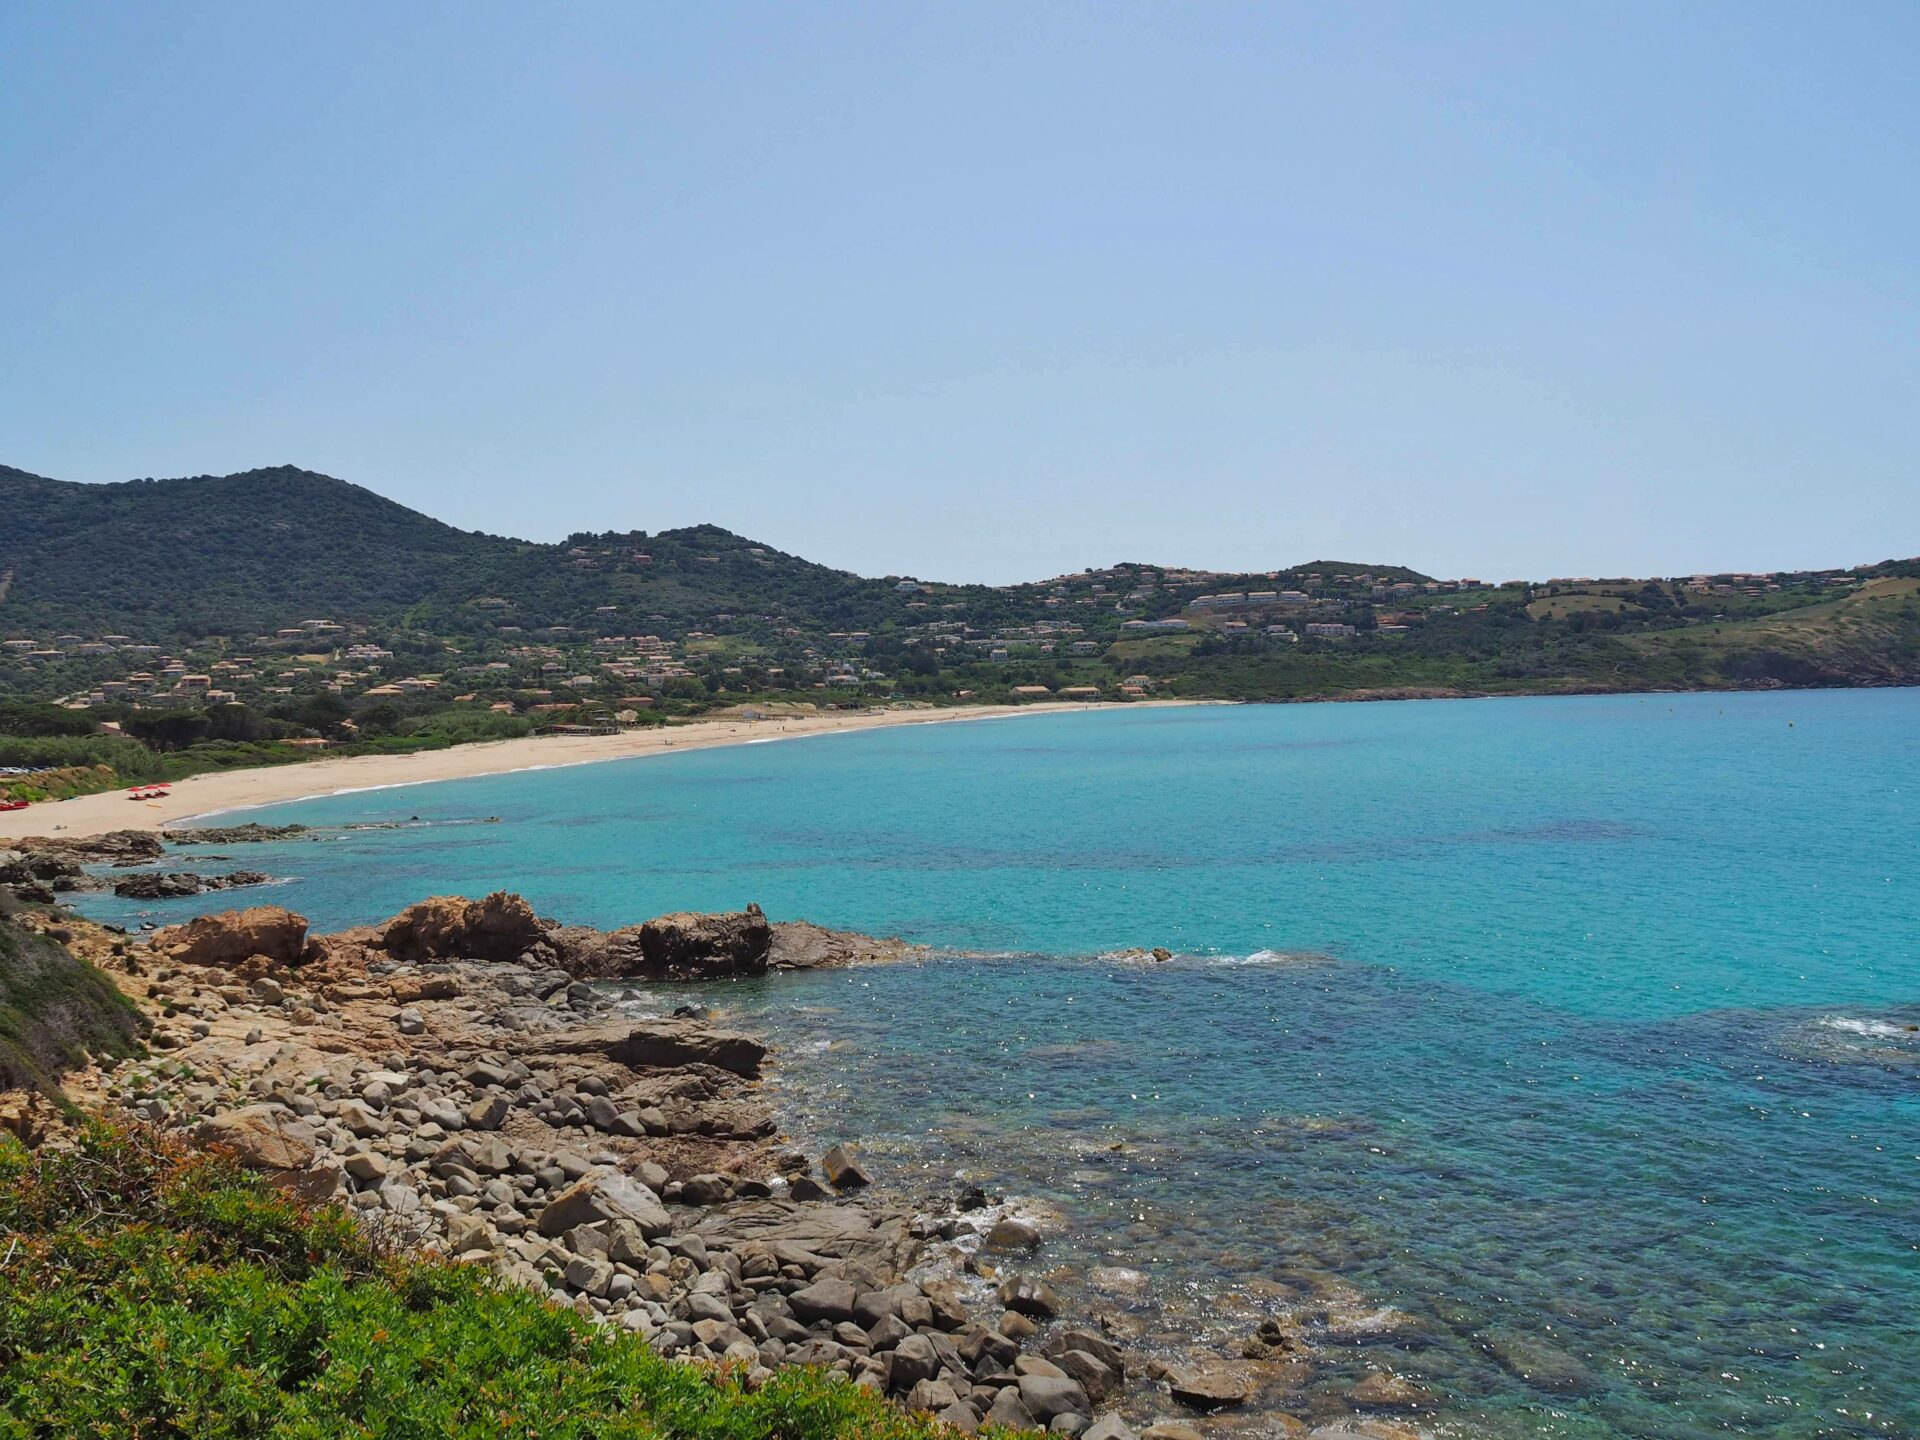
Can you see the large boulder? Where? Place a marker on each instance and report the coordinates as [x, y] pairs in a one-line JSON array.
[[843, 1169], [605, 1195], [262, 1137], [232, 937], [669, 1044], [500, 927], [689, 946]]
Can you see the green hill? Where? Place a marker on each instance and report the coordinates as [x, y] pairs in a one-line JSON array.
[[173, 562], [230, 553]]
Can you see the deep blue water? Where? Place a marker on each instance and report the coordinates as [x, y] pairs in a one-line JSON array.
[[1585, 1020]]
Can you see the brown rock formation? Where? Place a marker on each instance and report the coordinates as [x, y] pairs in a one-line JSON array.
[[232, 938], [500, 927]]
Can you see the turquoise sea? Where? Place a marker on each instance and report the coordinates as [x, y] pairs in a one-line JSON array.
[[1557, 1053]]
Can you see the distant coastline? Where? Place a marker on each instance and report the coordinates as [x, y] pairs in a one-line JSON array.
[[219, 792]]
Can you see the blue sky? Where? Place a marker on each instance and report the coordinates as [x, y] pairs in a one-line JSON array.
[[988, 291]]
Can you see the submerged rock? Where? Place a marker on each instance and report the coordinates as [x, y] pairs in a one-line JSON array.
[[1209, 1386], [1538, 1362], [1031, 1297]]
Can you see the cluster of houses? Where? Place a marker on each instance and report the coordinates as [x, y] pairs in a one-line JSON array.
[[1756, 585]]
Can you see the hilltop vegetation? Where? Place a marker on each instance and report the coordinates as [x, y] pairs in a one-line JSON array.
[[238, 554]]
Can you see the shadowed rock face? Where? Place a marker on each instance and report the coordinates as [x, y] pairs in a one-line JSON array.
[[697, 945]]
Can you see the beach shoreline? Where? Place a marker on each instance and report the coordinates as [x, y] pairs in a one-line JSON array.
[[218, 793]]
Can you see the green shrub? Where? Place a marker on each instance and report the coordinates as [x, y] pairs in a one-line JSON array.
[[127, 757], [459, 726]]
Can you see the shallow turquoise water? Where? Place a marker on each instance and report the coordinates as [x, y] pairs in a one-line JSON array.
[[1604, 1041]]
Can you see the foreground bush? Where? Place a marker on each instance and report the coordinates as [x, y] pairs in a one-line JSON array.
[[148, 1290]]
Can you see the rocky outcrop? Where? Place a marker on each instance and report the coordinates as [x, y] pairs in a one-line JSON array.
[[801, 945], [44, 872], [116, 847], [504, 1113], [699, 946], [685, 946], [175, 884], [588, 954], [500, 927], [234, 937], [234, 835]]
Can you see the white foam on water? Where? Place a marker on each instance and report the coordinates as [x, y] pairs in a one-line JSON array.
[[1873, 1029], [1265, 957]]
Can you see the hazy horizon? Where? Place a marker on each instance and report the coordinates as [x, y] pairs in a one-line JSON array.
[[998, 292]]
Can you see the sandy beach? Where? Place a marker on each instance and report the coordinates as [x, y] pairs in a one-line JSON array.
[[272, 785]]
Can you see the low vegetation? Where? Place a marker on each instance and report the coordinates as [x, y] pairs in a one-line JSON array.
[[55, 1009], [152, 1290]]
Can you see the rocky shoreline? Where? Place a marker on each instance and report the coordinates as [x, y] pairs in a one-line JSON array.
[[461, 1077], [474, 1079]]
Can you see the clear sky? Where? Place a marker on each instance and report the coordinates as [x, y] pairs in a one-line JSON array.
[[986, 291]]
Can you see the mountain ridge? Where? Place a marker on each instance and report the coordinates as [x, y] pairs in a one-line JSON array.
[[216, 553]]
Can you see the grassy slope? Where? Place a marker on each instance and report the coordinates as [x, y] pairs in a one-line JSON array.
[[1871, 636], [54, 1008], [154, 1292]]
